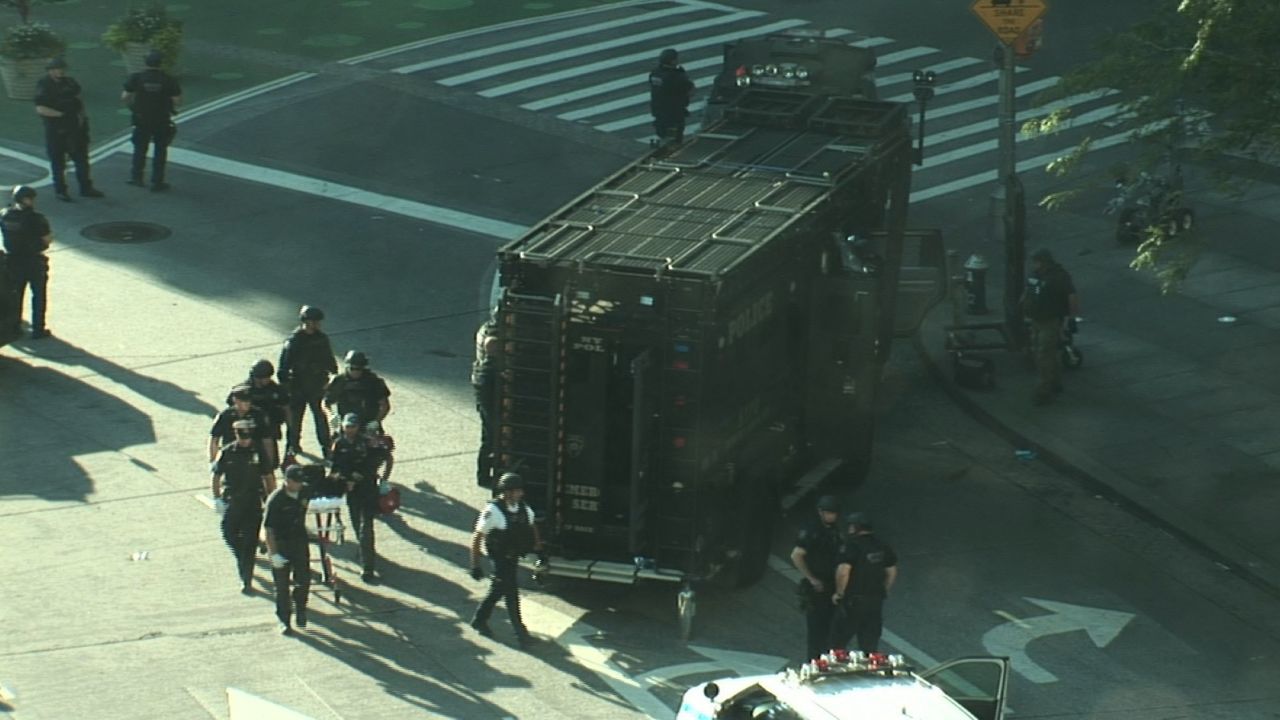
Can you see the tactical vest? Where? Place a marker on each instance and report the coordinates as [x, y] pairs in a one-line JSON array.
[[514, 541]]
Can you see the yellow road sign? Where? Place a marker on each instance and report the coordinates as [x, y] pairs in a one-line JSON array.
[[1009, 18]]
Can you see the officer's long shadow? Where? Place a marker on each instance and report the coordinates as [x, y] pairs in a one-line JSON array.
[[57, 350], [47, 419]]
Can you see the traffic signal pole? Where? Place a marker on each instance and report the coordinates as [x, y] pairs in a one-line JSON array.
[[1009, 206]]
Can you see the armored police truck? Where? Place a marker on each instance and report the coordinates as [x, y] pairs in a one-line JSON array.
[[686, 341]]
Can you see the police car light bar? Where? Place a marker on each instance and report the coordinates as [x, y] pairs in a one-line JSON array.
[[843, 662]]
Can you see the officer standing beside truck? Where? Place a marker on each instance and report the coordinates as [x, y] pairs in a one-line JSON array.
[[670, 91], [815, 555], [866, 571], [484, 382], [506, 532]]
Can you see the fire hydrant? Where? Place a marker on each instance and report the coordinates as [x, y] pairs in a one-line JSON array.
[[975, 284]]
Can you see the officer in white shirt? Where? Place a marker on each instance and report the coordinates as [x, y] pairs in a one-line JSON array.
[[506, 532]]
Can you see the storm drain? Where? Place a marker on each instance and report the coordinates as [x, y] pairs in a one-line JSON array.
[[126, 232]]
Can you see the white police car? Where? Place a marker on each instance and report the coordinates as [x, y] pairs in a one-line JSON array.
[[845, 685]]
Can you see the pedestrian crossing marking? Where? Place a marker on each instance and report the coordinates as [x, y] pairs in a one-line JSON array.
[[661, 33]]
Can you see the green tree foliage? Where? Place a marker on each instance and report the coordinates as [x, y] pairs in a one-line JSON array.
[[1200, 77]]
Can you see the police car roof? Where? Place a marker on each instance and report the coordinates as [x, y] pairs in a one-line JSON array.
[[868, 696]]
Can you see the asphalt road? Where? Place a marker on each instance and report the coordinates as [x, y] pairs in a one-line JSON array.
[[381, 197]]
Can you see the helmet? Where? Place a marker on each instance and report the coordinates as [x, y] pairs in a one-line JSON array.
[[310, 312], [351, 420], [21, 192], [510, 481], [295, 472], [262, 369], [858, 521], [58, 63], [154, 59], [240, 392], [828, 503], [668, 56], [356, 359]]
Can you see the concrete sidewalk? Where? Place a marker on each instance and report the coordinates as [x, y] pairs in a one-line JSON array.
[[1173, 413]]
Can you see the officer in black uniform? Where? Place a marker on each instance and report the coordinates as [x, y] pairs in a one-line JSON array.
[[66, 128], [26, 238], [358, 390], [153, 95], [1051, 304], [286, 524], [353, 468], [865, 573], [222, 432], [241, 479], [506, 531], [269, 398], [670, 90], [814, 555], [306, 362], [484, 382]]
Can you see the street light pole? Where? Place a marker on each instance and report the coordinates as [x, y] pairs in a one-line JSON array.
[[1009, 206], [923, 81]]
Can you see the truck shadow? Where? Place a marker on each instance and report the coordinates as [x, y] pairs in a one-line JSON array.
[[40, 440]]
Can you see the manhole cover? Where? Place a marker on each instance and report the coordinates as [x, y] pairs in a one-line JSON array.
[[126, 232]]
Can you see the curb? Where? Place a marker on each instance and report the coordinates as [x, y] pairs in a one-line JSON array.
[[1110, 485]]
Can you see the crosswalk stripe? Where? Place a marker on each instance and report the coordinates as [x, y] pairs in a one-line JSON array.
[[940, 68], [634, 57], [543, 39], [622, 83], [873, 42], [1030, 88], [904, 55], [1088, 118], [990, 176], [663, 32], [993, 123], [982, 78]]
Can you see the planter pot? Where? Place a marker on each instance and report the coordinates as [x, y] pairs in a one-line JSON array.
[[20, 76], [135, 57]]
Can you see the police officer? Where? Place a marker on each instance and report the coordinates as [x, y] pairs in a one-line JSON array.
[[814, 555], [153, 96], [670, 90], [26, 238], [66, 128], [306, 362], [286, 524], [353, 467], [865, 573], [241, 479], [484, 382], [223, 432], [269, 398], [506, 531], [1050, 303], [358, 390]]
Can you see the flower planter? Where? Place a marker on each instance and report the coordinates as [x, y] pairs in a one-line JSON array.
[[135, 57], [20, 76]]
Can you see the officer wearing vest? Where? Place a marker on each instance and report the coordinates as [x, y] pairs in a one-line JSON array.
[[286, 524], [153, 96], [670, 90], [506, 531], [814, 555], [484, 382], [358, 390], [26, 238], [240, 481], [306, 362], [269, 398], [1050, 303], [223, 430], [352, 466], [865, 573], [66, 129]]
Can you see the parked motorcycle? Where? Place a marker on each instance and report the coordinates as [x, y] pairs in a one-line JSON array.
[[1149, 201]]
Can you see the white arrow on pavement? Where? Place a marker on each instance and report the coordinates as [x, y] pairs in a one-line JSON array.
[[742, 663], [1011, 639]]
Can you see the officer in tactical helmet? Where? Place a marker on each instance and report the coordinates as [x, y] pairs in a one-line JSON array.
[[506, 531], [670, 91], [241, 479], [223, 432], [153, 96], [358, 390], [271, 399], [814, 555], [26, 238], [306, 362]]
